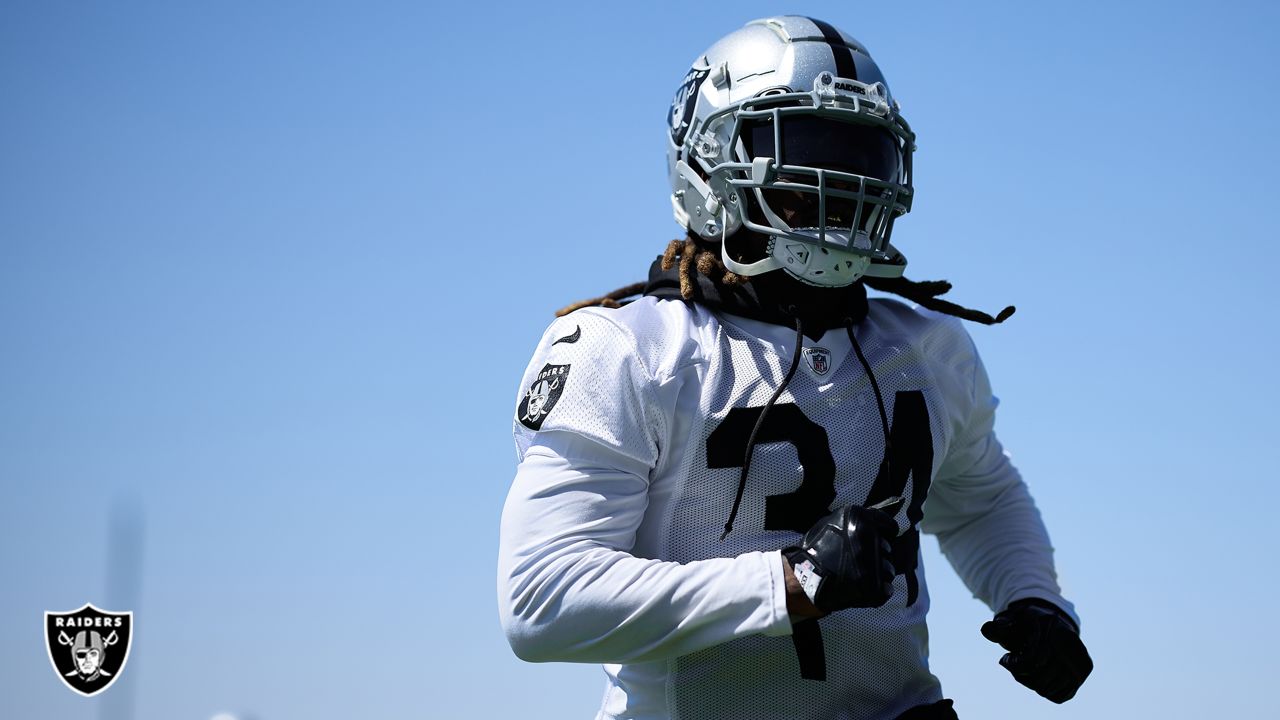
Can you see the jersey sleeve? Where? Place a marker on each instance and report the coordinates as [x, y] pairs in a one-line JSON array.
[[587, 378], [986, 521], [569, 587]]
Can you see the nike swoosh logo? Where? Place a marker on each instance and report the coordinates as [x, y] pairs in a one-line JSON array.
[[571, 338]]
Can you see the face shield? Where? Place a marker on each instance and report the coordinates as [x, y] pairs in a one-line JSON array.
[[824, 174], [823, 165]]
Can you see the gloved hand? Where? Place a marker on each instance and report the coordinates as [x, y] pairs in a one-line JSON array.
[[844, 560], [1045, 651]]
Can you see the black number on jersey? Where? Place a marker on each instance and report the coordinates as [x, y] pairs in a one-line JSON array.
[[910, 455], [799, 510]]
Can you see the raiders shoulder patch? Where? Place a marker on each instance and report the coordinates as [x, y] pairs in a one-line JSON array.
[[542, 396]]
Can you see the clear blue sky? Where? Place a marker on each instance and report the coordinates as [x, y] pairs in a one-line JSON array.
[[269, 274]]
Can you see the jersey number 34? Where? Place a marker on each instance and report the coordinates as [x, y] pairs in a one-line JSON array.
[[909, 456]]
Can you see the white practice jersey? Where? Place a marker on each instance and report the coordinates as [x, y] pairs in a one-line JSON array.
[[631, 428]]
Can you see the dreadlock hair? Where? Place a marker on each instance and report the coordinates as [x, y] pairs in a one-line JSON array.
[[925, 294], [694, 256], [691, 256]]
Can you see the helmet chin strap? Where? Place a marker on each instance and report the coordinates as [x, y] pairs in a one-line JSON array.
[[772, 261], [758, 267], [781, 254], [777, 257]]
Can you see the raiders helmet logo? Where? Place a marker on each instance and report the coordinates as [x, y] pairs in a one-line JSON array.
[[682, 104], [542, 395], [88, 647]]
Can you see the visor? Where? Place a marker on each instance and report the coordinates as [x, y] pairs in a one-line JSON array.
[[848, 152], [824, 142]]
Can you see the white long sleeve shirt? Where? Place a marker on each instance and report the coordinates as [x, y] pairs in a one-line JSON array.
[[630, 431]]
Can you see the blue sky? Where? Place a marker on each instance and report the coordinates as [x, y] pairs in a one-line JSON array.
[[269, 274]]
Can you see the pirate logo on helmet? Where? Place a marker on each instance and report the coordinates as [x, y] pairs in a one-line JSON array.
[[88, 647]]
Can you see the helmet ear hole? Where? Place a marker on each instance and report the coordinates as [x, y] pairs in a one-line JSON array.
[[706, 205]]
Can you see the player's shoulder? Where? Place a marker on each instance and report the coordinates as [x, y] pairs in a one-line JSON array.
[[661, 335], [909, 319], [938, 336]]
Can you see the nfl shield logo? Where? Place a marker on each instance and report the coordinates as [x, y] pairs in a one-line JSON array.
[[88, 647], [818, 359]]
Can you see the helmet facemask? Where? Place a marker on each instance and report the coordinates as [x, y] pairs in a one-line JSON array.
[[822, 175]]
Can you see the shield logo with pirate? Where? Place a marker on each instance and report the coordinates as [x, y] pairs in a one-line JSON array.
[[88, 647], [542, 395]]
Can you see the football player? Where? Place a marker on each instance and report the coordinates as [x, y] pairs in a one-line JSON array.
[[722, 482]]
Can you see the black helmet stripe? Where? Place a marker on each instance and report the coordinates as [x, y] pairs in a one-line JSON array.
[[845, 66]]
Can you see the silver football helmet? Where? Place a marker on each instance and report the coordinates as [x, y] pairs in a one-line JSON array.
[[787, 128]]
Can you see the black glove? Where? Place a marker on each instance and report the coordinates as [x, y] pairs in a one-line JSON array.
[[1045, 652], [844, 560]]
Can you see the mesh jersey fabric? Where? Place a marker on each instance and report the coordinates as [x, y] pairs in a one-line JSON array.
[[611, 548]]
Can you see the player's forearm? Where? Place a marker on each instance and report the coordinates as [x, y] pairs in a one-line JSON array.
[[1004, 554], [601, 605]]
